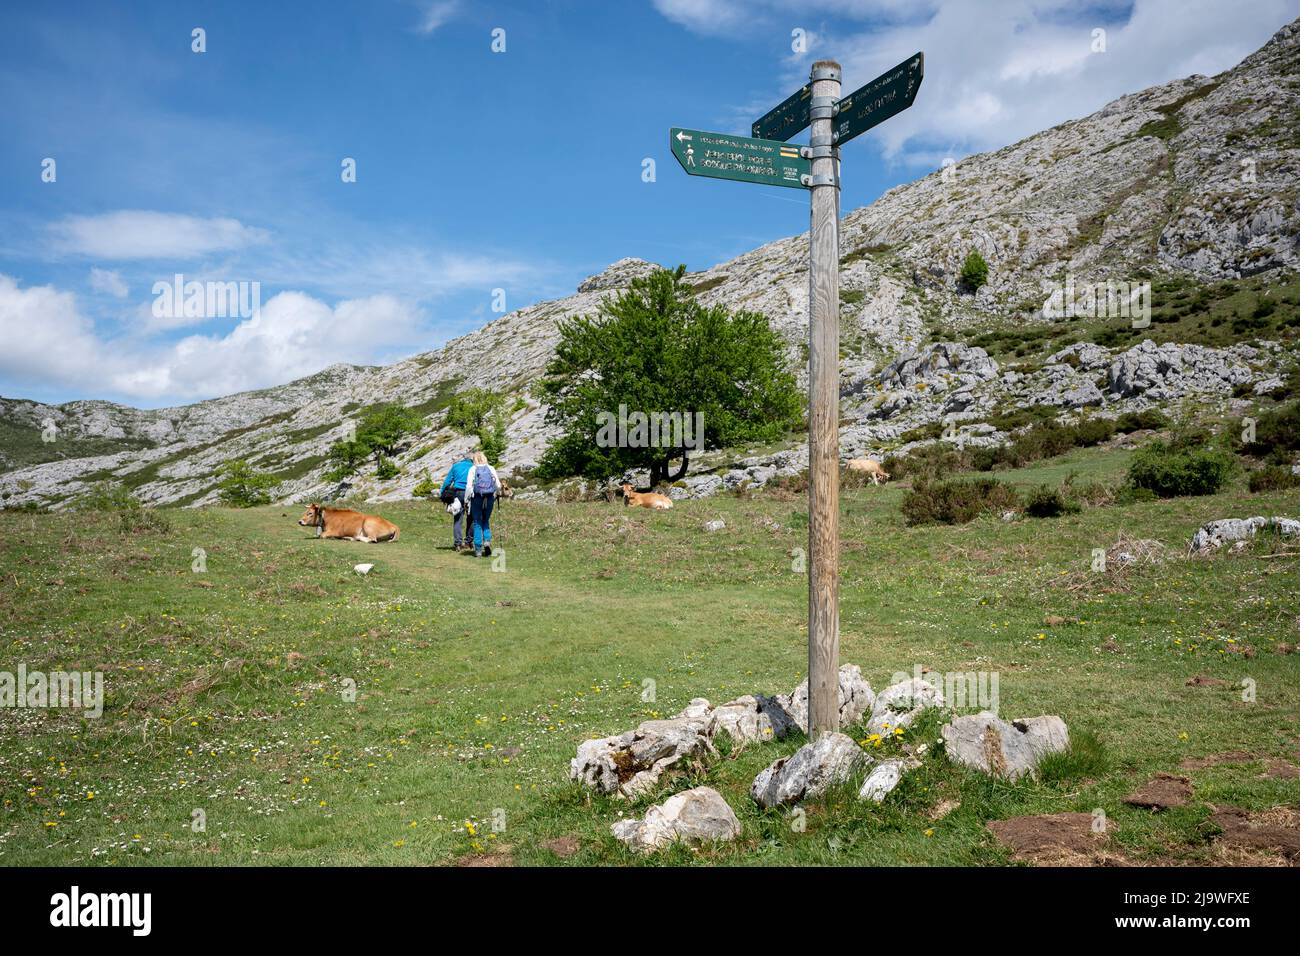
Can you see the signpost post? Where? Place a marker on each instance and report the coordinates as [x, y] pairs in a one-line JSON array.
[[766, 158]]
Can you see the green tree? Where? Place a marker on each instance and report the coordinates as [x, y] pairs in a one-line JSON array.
[[242, 486], [379, 436], [480, 412], [974, 271], [656, 350]]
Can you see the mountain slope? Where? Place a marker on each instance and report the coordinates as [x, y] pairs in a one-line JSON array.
[[1194, 185]]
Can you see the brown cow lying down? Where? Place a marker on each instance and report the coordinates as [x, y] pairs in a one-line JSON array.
[[871, 467], [348, 525], [645, 499]]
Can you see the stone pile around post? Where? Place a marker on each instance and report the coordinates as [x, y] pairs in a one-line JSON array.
[[632, 764]]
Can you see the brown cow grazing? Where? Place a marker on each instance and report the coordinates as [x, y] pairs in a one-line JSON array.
[[645, 499], [347, 524], [871, 467]]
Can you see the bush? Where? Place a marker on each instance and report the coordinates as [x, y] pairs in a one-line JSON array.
[[425, 488], [1148, 418], [1276, 434], [974, 271], [1273, 478], [109, 497], [1094, 431], [385, 469], [957, 501], [243, 487], [1170, 471], [1047, 502]]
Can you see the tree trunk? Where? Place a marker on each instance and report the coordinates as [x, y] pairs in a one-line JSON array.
[[681, 472]]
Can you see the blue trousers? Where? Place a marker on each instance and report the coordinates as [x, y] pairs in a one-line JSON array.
[[480, 513]]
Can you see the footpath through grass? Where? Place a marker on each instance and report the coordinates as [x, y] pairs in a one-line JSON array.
[[228, 689]]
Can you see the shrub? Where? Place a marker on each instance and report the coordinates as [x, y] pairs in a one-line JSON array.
[[1277, 432], [1170, 471], [956, 501], [1139, 421], [974, 271], [112, 498], [425, 487], [243, 487], [1094, 431], [1273, 478], [1047, 502], [386, 469]]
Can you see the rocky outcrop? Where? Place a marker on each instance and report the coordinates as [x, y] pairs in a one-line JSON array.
[[1215, 534], [1170, 371], [692, 816], [1004, 749]]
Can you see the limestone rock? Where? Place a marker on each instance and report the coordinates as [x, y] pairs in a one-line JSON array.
[[691, 816], [788, 712], [1215, 534], [631, 763], [743, 719], [900, 704], [1005, 749], [809, 771], [884, 777]]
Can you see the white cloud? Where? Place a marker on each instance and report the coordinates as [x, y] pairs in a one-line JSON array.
[[434, 14], [108, 281], [703, 16], [1000, 70], [49, 343], [143, 234], [46, 338]]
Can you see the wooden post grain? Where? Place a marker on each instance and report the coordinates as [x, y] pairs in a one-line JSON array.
[[824, 412]]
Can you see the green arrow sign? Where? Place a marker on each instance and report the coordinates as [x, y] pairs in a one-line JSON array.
[[885, 96], [787, 119], [741, 158]]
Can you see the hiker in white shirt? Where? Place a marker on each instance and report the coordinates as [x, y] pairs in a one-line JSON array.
[[482, 485]]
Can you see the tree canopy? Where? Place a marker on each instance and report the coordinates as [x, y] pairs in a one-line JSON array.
[[655, 350]]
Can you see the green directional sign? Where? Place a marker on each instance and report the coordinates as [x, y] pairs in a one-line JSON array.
[[885, 96], [741, 158], [788, 118]]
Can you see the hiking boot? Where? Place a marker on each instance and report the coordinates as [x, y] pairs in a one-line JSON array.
[[478, 552], [487, 549]]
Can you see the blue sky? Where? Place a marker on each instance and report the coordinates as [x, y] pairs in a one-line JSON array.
[[476, 170]]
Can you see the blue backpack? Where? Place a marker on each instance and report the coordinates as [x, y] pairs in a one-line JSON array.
[[483, 483]]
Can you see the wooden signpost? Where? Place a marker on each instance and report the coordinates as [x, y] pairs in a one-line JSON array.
[[766, 158]]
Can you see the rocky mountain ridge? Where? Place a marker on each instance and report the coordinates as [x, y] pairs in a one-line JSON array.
[[1194, 184]]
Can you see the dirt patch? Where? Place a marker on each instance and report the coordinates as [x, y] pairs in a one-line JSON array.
[[1054, 839], [1200, 681], [1273, 833], [1214, 760], [1161, 792], [562, 847], [1281, 770], [485, 859]]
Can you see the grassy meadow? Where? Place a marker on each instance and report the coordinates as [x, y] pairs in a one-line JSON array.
[[227, 689]]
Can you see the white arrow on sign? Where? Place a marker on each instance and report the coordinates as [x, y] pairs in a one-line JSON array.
[[681, 136]]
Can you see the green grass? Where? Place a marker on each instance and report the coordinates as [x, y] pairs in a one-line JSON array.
[[224, 689]]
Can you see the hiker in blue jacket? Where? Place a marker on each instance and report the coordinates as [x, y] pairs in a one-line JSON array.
[[482, 485], [453, 489]]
